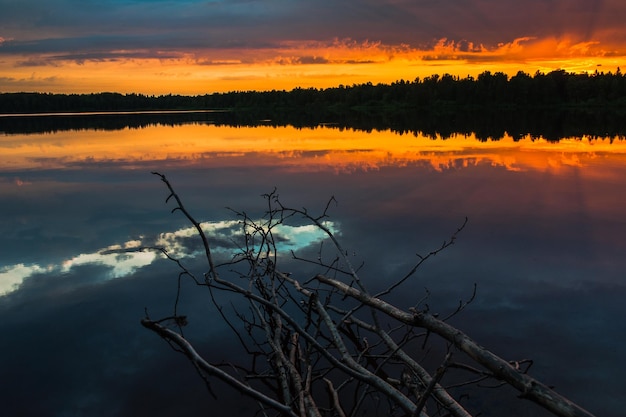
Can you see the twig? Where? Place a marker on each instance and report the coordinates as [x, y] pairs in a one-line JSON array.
[[191, 353]]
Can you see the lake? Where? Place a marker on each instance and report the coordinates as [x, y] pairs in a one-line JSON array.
[[544, 244]]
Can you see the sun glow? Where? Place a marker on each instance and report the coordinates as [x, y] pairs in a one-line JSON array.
[[300, 64]]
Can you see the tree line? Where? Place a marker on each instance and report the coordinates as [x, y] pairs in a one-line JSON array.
[[485, 124], [557, 88]]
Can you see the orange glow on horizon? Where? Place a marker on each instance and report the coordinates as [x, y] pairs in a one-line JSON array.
[[304, 64], [299, 150]]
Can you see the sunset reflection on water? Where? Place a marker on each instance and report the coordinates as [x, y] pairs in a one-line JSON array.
[[303, 150], [544, 241]]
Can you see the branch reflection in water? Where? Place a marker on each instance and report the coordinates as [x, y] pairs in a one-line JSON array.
[[544, 244]]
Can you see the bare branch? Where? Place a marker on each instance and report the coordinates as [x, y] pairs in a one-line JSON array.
[[305, 337], [192, 220], [422, 259], [529, 387], [191, 353]]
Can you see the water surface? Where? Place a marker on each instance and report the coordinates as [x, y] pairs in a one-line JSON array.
[[544, 245]]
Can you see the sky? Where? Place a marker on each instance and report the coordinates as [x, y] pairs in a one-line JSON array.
[[199, 47]]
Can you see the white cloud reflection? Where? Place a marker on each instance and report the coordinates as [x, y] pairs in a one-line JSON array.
[[122, 260], [11, 277]]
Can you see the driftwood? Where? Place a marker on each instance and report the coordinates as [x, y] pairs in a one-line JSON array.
[[331, 348]]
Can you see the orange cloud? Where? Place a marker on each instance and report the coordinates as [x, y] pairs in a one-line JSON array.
[[291, 64]]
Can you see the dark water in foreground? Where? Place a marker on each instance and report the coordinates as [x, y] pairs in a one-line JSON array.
[[544, 244]]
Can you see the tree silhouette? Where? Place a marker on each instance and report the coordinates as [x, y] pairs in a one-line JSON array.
[[488, 90]]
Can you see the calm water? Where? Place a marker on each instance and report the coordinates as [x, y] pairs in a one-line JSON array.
[[544, 244]]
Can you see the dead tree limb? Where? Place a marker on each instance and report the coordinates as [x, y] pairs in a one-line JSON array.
[[190, 352], [529, 387], [327, 334]]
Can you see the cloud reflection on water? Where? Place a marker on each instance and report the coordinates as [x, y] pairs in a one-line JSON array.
[[544, 242], [122, 260]]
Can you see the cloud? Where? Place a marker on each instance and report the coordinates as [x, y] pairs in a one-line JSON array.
[[11, 277], [226, 45], [190, 25], [122, 260], [308, 52]]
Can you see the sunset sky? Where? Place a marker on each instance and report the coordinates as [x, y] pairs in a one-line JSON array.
[[198, 47]]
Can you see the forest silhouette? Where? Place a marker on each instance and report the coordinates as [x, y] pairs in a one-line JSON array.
[[551, 105]]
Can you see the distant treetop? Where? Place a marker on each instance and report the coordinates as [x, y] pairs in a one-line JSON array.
[[488, 90]]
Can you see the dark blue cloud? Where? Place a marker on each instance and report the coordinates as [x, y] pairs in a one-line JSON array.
[[34, 26]]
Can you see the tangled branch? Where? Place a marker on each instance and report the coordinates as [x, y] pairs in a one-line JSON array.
[[329, 347]]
